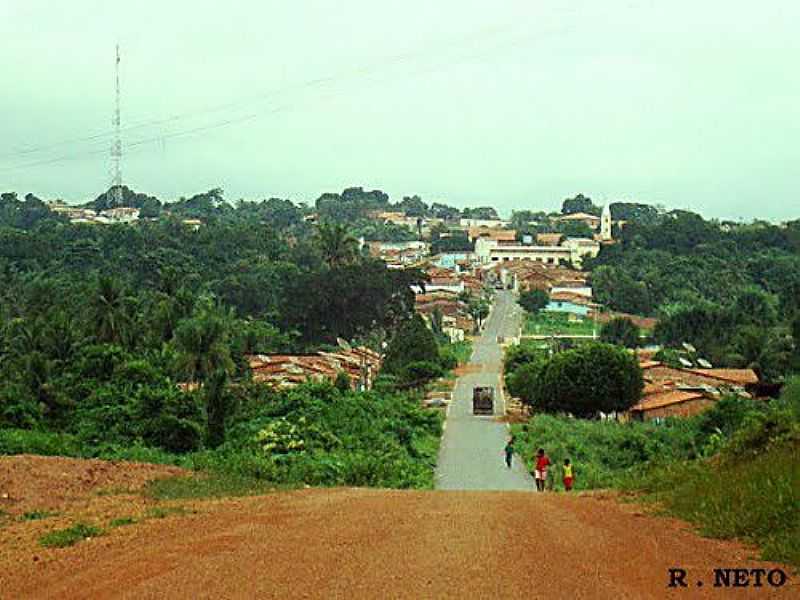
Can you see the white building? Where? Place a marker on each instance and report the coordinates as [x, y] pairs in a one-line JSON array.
[[488, 223], [605, 224], [489, 251], [582, 246]]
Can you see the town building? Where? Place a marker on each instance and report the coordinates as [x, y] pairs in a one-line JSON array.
[[487, 223]]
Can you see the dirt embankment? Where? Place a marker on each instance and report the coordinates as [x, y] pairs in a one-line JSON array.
[[350, 543]]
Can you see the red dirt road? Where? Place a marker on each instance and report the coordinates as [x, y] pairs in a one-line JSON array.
[[358, 543]]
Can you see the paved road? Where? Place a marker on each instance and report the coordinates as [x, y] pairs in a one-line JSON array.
[[471, 455]]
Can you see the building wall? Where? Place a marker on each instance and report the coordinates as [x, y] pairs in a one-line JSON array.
[[684, 409]]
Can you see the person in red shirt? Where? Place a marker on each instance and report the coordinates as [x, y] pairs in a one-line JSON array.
[[540, 473]]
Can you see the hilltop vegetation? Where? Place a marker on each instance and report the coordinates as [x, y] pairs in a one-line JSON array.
[[730, 290], [131, 342]]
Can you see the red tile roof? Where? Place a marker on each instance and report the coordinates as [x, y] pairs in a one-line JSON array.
[[665, 398]]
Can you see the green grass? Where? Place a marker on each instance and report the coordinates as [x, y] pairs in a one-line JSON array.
[[36, 515], [555, 323], [756, 500], [61, 538], [207, 485], [122, 522]]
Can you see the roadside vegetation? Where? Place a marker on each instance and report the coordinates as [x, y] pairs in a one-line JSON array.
[[733, 471]]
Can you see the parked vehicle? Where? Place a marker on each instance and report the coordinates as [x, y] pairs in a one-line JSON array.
[[483, 401]]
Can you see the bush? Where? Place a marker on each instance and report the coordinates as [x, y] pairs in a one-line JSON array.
[[534, 300], [620, 331], [413, 342], [21, 441], [585, 381], [61, 538], [418, 373]]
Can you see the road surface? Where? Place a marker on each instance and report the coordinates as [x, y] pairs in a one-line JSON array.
[[361, 543], [471, 455]]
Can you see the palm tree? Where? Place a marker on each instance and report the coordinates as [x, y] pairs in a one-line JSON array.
[[205, 358], [202, 342], [337, 244], [108, 310]]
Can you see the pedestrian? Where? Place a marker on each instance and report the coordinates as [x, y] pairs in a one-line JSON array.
[[540, 473], [509, 451], [568, 475]]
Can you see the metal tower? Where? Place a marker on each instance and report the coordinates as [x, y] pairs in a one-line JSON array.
[[116, 148]]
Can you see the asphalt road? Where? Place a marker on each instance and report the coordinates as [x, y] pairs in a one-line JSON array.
[[471, 455]]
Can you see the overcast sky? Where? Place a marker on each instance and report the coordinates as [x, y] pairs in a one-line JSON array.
[[516, 104]]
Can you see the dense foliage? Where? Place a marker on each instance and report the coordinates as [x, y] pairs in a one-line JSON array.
[[585, 381], [533, 300], [730, 290], [621, 331]]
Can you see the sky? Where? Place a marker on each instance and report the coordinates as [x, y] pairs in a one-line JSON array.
[[513, 104]]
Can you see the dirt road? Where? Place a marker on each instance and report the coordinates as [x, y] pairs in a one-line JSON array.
[[358, 543]]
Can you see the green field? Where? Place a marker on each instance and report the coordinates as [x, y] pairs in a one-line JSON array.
[[556, 323]]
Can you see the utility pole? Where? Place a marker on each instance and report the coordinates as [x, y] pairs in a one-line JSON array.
[[116, 147]]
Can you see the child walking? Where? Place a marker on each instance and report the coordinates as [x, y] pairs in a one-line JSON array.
[[568, 476], [540, 473], [509, 451]]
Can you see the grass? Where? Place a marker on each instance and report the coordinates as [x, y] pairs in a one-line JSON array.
[[122, 522], [208, 485], [756, 500], [162, 512], [61, 538], [36, 515], [555, 323]]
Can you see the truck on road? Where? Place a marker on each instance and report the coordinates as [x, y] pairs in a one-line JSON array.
[[483, 401]]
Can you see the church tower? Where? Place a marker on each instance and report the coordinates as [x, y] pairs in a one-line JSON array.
[[605, 224]]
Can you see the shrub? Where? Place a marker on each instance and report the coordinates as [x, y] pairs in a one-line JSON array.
[[534, 300], [20, 441], [61, 538], [413, 342], [620, 331], [587, 380], [418, 373]]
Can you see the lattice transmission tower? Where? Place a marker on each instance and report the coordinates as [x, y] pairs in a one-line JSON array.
[[116, 146]]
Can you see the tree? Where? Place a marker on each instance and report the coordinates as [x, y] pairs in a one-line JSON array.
[[412, 343], [337, 245], [413, 206], [478, 309], [487, 213], [202, 344], [107, 307], [420, 372], [620, 331], [579, 203], [534, 300], [585, 381], [577, 229]]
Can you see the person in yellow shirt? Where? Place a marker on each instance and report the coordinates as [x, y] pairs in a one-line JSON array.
[[568, 475]]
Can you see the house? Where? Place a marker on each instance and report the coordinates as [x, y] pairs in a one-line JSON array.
[[671, 403], [488, 223], [549, 239], [680, 392], [583, 247], [360, 365], [501, 235], [194, 224], [592, 221], [122, 214]]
